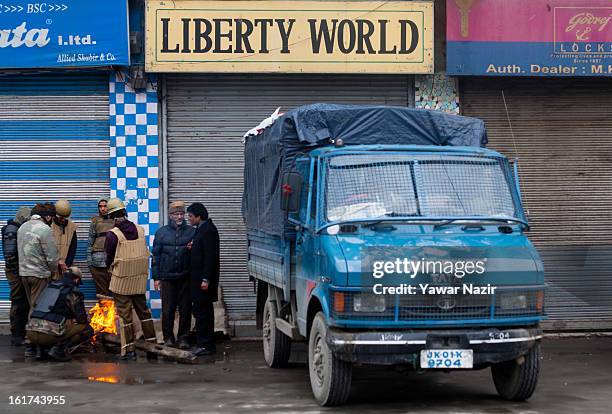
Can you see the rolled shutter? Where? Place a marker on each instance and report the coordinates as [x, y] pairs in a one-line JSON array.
[[563, 140], [206, 119], [54, 143]]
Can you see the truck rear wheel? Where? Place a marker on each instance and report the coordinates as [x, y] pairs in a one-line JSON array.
[[276, 345], [516, 382], [330, 377]]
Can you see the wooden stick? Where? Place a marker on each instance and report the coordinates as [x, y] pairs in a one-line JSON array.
[[74, 348], [173, 354]]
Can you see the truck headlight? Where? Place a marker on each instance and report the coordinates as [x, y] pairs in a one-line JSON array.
[[508, 302], [369, 303]]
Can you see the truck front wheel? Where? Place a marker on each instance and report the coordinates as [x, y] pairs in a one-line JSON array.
[[276, 345], [516, 381], [330, 377]]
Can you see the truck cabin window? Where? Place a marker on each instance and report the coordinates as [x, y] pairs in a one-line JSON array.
[[374, 186]]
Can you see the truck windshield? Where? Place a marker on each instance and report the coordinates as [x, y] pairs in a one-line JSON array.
[[374, 186]]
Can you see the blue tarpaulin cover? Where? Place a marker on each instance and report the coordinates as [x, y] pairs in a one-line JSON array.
[[270, 153]]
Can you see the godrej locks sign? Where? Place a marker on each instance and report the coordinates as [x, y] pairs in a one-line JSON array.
[[529, 37], [297, 36], [66, 33]]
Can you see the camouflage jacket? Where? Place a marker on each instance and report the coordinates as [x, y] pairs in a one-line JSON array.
[[38, 255]]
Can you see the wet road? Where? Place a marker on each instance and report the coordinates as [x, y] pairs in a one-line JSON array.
[[576, 378]]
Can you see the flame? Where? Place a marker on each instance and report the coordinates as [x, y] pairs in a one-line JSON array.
[[110, 380], [103, 316]]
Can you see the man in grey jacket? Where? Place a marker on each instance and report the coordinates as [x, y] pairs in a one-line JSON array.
[[38, 256]]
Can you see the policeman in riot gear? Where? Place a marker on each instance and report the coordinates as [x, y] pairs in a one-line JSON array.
[[59, 319], [96, 256], [64, 234], [127, 258], [19, 301]]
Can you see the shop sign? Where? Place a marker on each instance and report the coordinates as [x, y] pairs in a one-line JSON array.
[[529, 37], [283, 37], [66, 33]]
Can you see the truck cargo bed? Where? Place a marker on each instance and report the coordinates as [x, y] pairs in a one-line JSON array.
[[271, 259]]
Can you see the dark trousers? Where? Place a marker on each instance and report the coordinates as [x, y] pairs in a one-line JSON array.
[[19, 305], [101, 279], [175, 293], [204, 315], [124, 305]]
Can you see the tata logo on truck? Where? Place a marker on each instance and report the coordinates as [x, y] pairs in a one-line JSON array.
[[21, 35]]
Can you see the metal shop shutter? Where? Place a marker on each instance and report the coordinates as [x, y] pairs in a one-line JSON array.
[[54, 143], [206, 119], [563, 130]]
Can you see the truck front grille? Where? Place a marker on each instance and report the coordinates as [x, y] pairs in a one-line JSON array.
[[502, 305]]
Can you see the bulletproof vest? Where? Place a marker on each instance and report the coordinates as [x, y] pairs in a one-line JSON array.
[[102, 226], [9, 245], [51, 304], [130, 268], [63, 238]]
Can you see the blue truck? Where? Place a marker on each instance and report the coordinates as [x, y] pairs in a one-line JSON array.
[[390, 236]]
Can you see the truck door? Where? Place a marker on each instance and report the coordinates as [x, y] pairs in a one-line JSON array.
[[306, 248]]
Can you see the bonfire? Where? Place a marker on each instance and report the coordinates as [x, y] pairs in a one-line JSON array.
[[103, 317]]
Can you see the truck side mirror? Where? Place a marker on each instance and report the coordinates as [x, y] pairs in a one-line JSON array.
[[291, 191]]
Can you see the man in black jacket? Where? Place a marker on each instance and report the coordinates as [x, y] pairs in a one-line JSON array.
[[59, 318], [170, 270], [204, 276], [19, 301]]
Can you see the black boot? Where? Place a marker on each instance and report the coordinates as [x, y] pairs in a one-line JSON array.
[[43, 353], [183, 343], [129, 356], [170, 342], [59, 353], [30, 350], [203, 351], [17, 340]]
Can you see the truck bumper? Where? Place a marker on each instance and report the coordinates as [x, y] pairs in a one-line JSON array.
[[490, 345]]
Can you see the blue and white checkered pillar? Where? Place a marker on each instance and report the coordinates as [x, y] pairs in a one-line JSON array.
[[134, 156]]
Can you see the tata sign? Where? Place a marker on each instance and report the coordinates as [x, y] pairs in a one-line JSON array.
[[529, 37], [66, 33], [297, 36]]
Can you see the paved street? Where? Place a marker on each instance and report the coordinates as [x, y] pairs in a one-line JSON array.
[[575, 379]]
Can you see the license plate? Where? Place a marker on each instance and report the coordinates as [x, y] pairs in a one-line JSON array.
[[447, 358]]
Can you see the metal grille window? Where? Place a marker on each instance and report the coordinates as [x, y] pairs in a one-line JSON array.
[[376, 185], [369, 186], [464, 188]]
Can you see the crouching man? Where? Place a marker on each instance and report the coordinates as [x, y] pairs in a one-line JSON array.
[[59, 319]]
